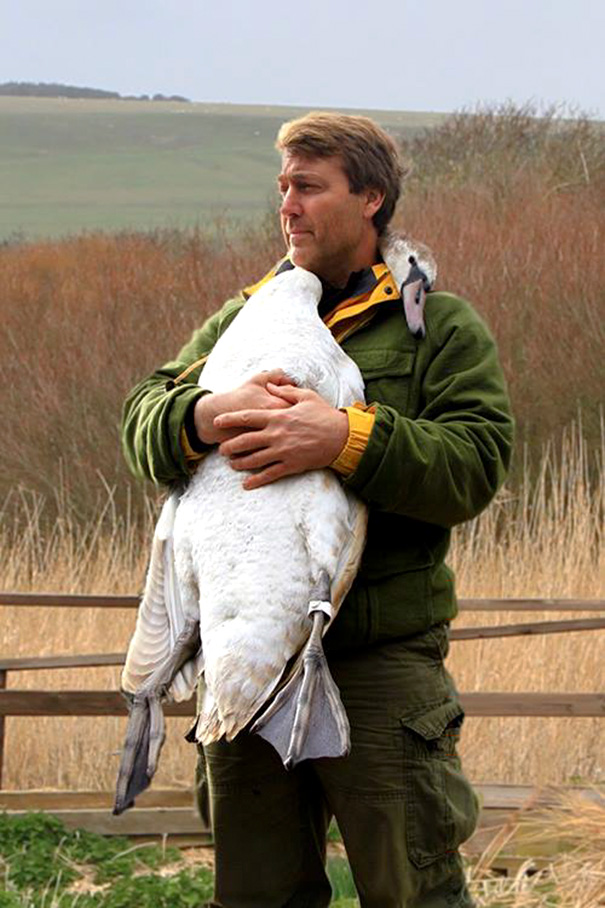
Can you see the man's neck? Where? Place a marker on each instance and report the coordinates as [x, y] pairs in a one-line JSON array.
[[332, 296]]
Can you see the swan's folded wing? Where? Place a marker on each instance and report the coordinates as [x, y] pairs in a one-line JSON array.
[[161, 616], [351, 551]]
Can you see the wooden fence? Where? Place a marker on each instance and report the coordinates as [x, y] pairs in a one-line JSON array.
[[172, 811]]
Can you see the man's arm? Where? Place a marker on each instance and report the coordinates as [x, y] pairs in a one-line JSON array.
[[153, 417], [446, 464], [443, 467], [168, 425]]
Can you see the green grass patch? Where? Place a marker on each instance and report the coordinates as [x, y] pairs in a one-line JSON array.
[[40, 860], [45, 865], [341, 880]]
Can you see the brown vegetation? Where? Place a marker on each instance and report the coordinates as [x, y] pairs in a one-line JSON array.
[[521, 234], [513, 207], [564, 847]]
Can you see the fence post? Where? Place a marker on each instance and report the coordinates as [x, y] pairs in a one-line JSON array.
[[3, 674]]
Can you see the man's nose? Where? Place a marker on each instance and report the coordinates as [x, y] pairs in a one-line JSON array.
[[290, 204]]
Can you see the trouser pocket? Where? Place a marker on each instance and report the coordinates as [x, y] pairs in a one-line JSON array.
[[441, 806]]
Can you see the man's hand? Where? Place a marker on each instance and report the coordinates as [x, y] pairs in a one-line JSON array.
[[253, 394], [307, 435]]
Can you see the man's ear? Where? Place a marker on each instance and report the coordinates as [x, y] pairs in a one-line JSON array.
[[374, 199]]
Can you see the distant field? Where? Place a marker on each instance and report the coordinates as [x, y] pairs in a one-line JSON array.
[[69, 165]]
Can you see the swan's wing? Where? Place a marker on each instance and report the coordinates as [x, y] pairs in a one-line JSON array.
[[333, 524], [351, 551], [161, 616]]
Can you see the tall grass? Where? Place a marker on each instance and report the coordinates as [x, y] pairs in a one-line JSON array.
[[542, 540]]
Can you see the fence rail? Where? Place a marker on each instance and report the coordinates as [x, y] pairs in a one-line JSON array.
[[75, 600], [110, 703], [169, 814]]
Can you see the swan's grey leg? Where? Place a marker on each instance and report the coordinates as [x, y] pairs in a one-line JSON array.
[[307, 719], [145, 729]]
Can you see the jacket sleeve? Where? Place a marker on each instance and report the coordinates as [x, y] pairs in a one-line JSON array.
[[154, 414], [445, 465]]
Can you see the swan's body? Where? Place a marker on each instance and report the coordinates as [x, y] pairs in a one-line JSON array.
[[250, 566]]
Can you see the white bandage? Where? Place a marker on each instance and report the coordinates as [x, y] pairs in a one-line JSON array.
[[320, 605]]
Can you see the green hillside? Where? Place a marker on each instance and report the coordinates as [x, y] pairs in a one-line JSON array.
[[69, 165]]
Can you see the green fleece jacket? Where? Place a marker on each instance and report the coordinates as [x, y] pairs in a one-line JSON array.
[[437, 453]]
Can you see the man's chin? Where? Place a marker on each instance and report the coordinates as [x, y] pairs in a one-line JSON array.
[[302, 259]]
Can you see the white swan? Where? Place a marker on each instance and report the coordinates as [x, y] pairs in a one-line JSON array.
[[252, 574]]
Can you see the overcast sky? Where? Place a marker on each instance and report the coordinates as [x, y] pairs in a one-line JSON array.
[[393, 54]]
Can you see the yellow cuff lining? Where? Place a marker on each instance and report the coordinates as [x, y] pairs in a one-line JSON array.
[[361, 423], [191, 456]]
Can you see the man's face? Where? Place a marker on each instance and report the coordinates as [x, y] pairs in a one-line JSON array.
[[327, 228]]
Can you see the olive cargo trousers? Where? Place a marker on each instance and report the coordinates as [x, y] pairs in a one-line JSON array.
[[400, 799]]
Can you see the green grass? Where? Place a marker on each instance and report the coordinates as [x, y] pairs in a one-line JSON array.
[[44, 865], [68, 165]]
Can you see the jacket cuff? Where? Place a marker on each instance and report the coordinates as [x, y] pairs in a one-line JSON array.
[[192, 446], [361, 422]]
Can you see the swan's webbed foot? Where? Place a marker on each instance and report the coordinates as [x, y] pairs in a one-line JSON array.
[[307, 719]]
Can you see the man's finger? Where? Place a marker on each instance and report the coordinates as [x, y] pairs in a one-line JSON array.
[[287, 392], [242, 419], [277, 403], [253, 461], [243, 443], [270, 474], [275, 376]]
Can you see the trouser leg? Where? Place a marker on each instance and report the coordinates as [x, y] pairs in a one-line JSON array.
[[401, 801], [269, 828], [400, 798]]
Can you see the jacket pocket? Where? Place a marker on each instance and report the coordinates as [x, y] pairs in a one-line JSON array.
[[441, 806], [387, 375]]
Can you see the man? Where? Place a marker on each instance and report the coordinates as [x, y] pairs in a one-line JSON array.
[[428, 450]]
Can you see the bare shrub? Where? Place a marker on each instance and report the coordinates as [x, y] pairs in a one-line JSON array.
[[492, 145], [513, 207]]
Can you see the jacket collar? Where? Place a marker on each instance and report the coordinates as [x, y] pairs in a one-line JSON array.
[[386, 281]]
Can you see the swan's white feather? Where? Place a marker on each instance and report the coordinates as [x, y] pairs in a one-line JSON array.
[[161, 615], [247, 561]]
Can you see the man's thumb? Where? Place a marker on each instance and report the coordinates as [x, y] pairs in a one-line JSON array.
[[277, 377]]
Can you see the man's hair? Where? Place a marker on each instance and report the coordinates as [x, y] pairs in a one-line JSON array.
[[370, 158]]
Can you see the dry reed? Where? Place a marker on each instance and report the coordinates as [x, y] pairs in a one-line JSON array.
[[542, 541], [571, 834]]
